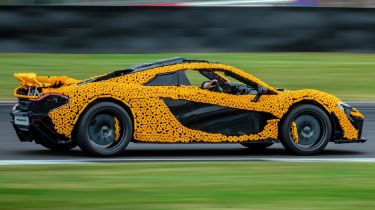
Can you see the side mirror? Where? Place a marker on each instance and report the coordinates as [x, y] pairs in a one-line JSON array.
[[261, 90]]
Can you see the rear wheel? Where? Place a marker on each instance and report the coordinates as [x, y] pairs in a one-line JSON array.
[[104, 130], [306, 130], [257, 146]]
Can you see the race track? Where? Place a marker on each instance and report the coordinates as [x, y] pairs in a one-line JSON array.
[[12, 149]]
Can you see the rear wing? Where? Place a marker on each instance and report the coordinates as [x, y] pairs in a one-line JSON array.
[[32, 85], [32, 80]]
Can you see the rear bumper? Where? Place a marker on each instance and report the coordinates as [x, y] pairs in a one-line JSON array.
[[24, 132], [40, 128]]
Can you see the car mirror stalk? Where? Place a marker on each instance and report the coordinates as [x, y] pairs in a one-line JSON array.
[[261, 90]]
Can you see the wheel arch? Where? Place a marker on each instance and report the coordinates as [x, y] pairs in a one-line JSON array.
[[97, 100], [334, 121]]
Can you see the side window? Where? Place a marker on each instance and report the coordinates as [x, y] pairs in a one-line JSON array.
[[181, 77], [196, 78], [170, 79]]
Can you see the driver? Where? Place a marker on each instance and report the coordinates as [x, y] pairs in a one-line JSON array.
[[209, 85], [228, 87]]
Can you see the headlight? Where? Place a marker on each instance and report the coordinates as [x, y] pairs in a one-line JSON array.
[[347, 109]]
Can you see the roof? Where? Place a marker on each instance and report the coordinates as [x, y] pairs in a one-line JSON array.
[[160, 63], [142, 67]]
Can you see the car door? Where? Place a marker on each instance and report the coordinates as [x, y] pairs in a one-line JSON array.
[[214, 112]]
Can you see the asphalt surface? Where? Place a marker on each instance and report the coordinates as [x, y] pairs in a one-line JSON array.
[[12, 149]]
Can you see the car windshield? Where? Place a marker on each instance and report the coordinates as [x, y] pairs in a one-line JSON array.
[[232, 78]]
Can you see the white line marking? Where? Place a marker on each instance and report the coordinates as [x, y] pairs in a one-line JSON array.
[[39, 162], [237, 3], [106, 160], [8, 102]]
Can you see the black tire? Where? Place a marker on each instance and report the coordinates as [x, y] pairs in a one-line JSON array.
[[314, 130], [256, 146], [96, 131], [58, 147]]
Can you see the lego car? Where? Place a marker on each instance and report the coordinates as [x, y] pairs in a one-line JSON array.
[[178, 101]]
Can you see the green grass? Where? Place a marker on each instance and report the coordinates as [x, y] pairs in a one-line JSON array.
[[349, 76], [171, 186]]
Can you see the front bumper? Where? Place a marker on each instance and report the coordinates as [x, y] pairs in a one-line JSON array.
[[342, 141], [357, 122]]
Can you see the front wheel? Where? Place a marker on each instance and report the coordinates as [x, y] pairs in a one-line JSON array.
[[105, 129], [306, 130]]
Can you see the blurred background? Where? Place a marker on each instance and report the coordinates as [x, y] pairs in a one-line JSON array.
[[317, 3], [327, 45], [321, 44], [156, 29]]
